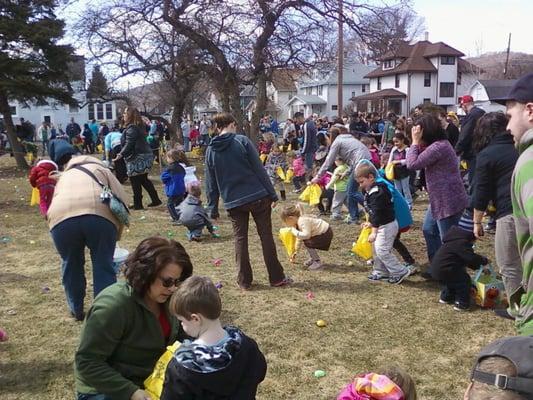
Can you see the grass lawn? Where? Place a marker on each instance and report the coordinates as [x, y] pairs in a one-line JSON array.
[[368, 324]]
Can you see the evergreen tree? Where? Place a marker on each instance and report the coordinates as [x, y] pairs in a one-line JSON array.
[[33, 66], [98, 88]]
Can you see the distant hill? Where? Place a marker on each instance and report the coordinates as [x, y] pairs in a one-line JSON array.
[[493, 65]]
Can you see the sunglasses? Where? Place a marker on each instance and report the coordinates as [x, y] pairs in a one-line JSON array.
[[169, 282]]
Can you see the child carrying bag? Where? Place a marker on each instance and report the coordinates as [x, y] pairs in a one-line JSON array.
[[363, 248], [288, 176], [389, 171], [311, 194], [117, 206]]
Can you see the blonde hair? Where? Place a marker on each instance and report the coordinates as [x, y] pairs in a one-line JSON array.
[[132, 117], [292, 210], [494, 365], [269, 137], [402, 379]]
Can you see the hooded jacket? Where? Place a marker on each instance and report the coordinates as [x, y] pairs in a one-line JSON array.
[[173, 178], [235, 172], [229, 371], [492, 179], [522, 199], [463, 147], [192, 213], [59, 148], [455, 254], [40, 174], [309, 132]]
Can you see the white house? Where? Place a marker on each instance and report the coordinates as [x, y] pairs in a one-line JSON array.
[[60, 114], [317, 92], [484, 90], [417, 73]]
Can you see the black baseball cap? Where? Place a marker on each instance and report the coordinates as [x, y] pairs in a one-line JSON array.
[[522, 91], [519, 351]]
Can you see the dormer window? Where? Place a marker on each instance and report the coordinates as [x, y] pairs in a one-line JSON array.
[[389, 64], [447, 60]]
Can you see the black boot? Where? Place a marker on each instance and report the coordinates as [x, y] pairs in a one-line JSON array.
[[282, 194], [137, 203]]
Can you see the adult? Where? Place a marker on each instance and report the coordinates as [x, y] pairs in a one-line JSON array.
[[112, 147], [139, 158], [495, 161], [310, 143], [205, 124], [78, 218], [451, 131], [186, 132], [73, 129], [43, 136], [464, 143], [289, 134], [95, 128], [235, 172], [129, 326], [432, 152], [519, 104], [351, 150]]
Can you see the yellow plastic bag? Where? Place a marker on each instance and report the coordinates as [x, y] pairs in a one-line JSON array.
[[153, 385], [464, 165], [100, 149], [280, 173], [389, 171], [263, 157], [362, 247], [288, 176], [35, 197], [288, 240], [311, 194], [289, 147]]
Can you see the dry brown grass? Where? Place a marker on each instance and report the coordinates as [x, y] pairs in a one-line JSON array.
[[369, 325]]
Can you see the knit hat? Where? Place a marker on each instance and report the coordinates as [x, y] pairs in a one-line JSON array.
[[467, 221], [372, 387]]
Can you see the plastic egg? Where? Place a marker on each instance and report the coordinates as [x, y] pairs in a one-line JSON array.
[[321, 323]]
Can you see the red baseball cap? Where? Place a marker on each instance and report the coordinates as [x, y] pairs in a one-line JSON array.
[[466, 99]]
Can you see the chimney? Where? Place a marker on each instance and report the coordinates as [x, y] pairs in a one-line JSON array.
[[426, 36]]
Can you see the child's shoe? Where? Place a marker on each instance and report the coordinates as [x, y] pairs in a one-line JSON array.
[[461, 307], [308, 262], [396, 280], [413, 269], [335, 217], [445, 301], [215, 235], [376, 277], [316, 265]]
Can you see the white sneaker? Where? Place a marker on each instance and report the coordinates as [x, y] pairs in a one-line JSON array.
[[316, 265], [413, 269]]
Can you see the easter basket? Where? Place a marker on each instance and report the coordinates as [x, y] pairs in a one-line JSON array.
[[488, 289]]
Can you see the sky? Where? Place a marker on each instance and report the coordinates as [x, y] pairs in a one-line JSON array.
[[475, 26]]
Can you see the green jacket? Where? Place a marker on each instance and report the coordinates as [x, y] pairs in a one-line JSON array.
[[522, 198], [339, 184], [121, 341]]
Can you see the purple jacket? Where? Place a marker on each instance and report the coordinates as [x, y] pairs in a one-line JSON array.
[[447, 195]]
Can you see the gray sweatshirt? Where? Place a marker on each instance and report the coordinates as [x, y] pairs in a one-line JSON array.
[[349, 149]]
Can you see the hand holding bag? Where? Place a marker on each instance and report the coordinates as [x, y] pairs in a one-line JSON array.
[[363, 248]]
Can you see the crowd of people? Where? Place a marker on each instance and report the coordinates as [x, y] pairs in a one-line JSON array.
[[371, 167]]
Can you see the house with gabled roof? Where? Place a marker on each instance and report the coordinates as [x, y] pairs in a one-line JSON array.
[[417, 73], [484, 90]]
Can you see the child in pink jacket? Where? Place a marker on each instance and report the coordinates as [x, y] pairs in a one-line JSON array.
[[297, 164]]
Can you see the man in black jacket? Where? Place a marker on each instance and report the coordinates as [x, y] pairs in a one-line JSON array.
[[310, 145], [452, 132], [464, 144]]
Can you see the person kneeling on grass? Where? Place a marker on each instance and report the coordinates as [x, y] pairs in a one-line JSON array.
[[448, 264], [193, 215], [379, 206], [314, 232], [222, 362]]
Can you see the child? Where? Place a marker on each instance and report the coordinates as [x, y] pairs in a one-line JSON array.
[[222, 362], [374, 151], [276, 159], [379, 206], [298, 168], [193, 215], [448, 264], [390, 383], [41, 177], [339, 182], [327, 194], [314, 232], [401, 173], [173, 177], [265, 145]]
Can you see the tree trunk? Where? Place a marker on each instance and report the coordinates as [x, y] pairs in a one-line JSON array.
[[16, 146], [176, 134], [261, 101]]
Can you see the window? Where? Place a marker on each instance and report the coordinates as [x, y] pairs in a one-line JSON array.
[[13, 110], [379, 83], [427, 79], [389, 64], [446, 89], [99, 111], [397, 81], [90, 112], [308, 91], [73, 109], [353, 94], [459, 78], [363, 88], [109, 111], [447, 60], [334, 107], [320, 90], [426, 101]]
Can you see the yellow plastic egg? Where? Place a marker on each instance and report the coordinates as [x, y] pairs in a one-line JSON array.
[[321, 323]]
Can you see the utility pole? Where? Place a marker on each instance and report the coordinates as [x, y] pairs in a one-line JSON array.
[[340, 62], [506, 69]]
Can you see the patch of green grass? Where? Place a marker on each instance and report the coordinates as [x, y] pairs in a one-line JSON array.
[[368, 325]]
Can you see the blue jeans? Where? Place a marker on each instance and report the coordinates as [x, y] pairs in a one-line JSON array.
[[434, 230], [309, 159], [355, 197], [172, 203], [186, 144], [70, 238]]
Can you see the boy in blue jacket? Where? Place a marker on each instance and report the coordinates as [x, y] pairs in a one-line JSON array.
[[173, 177]]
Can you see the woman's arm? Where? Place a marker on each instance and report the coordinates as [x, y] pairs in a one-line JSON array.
[[131, 136], [420, 160], [330, 159]]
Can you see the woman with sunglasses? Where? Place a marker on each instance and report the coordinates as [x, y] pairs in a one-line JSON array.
[[128, 326]]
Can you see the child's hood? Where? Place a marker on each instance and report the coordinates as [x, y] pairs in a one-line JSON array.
[[218, 369], [193, 200], [458, 234], [48, 164]]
